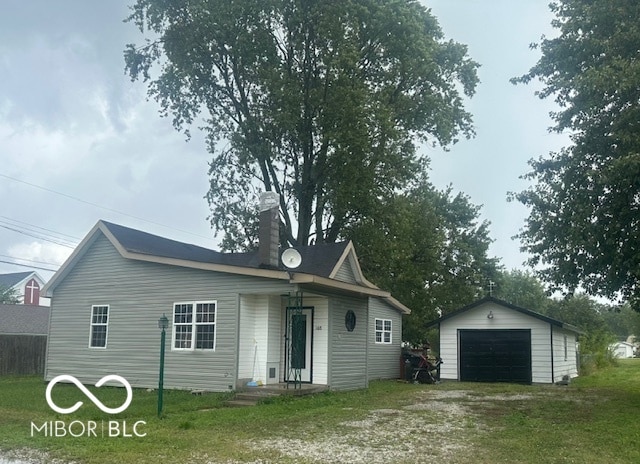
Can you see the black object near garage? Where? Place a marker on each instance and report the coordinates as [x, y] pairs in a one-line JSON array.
[[495, 355]]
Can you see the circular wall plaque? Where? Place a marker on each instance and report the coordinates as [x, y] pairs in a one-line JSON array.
[[350, 320]]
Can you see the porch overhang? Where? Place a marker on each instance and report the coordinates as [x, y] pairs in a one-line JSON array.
[[323, 283]]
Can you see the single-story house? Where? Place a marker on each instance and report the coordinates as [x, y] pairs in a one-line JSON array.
[[491, 340], [27, 286], [622, 350], [23, 338], [233, 318]]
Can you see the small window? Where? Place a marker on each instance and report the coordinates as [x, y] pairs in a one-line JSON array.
[[194, 331], [99, 326], [383, 331], [566, 349]]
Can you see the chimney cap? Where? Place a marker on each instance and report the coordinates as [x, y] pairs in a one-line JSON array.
[[269, 200]]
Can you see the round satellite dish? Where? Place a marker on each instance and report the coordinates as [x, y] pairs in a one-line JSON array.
[[291, 258]]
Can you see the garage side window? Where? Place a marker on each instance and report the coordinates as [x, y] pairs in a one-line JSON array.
[[383, 331], [194, 326], [99, 326]]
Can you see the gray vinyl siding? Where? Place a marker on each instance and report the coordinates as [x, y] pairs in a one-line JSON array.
[[347, 350], [138, 294], [345, 273], [384, 360]]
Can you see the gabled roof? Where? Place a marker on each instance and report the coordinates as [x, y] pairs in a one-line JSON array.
[[14, 278], [320, 263], [318, 259], [497, 301], [19, 319]]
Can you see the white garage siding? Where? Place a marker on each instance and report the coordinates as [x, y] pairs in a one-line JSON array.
[[503, 318], [564, 354]]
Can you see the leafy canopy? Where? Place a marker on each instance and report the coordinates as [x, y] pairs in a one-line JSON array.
[[429, 249], [319, 101], [584, 221]]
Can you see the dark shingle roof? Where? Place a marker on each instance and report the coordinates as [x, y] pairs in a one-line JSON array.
[[9, 280], [19, 319], [491, 299], [318, 259]]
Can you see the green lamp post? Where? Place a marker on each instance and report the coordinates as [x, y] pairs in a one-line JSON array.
[[163, 323]]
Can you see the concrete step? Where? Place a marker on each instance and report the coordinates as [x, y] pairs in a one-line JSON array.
[[240, 403]]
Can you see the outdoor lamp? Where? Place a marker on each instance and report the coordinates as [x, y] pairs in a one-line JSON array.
[[490, 315], [163, 322]]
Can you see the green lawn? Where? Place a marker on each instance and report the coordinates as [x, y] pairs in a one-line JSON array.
[[592, 420]]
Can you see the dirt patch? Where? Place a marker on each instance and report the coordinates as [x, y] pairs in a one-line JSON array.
[[426, 430], [437, 425]]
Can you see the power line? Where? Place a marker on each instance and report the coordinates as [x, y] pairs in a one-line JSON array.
[[38, 232], [40, 237], [18, 222], [95, 205], [29, 260], [30, 267]]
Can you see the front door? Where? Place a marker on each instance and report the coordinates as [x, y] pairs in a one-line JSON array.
[[299, 344]]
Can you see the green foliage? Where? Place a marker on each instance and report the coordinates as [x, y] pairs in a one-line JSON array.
[[588, 315], [583, 224], [9, 295], [623, 321], [522, 288], [429, 249], [321, 102]]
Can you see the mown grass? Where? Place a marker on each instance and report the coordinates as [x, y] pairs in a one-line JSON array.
[[592, 420]]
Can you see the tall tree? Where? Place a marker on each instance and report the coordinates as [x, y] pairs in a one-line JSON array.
[[429, 249], [584, 222], [522, 288], [319, 101]]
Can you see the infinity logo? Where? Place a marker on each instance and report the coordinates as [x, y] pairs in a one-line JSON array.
[[88, 394]]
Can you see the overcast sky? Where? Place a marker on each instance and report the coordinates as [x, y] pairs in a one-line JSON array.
[[80, 142]]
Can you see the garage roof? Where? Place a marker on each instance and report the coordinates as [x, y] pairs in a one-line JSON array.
[[491, 299]]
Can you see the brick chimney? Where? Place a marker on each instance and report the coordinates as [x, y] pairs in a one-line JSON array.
[[269, 234]]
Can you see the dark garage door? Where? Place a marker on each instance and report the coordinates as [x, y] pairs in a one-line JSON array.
[[495, 355]]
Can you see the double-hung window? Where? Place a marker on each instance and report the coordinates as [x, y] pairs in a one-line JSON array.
[[383, 331], [194, 325], [99, 326]]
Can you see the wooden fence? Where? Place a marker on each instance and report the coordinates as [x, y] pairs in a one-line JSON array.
[[22, 354]]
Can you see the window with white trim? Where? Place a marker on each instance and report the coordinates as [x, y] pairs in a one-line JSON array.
[[383, 331], [566, 348], [99, 326], [194, 326]]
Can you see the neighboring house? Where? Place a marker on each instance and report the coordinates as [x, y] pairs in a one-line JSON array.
[[494, 341], [26, 284], [622, 350], [23, 338], [233, 317]]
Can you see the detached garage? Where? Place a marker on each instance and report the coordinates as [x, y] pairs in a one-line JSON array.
[[494, 341]]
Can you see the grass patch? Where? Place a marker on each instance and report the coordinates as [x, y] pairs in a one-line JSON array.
[[592, 420]]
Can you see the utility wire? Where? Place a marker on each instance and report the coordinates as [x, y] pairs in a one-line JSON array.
[[95, 205], [29, 260], [17, 222], [33, 231], [40, 237], [30, 267]]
